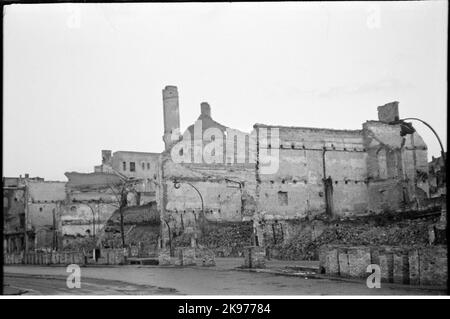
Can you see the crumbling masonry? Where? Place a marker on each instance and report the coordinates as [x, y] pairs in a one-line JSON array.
[[322, 172], [224, 189]]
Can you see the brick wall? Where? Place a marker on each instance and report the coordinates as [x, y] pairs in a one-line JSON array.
[[425, 266]]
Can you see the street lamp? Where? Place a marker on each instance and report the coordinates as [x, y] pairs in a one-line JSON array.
[[93, 223], [177, 185]]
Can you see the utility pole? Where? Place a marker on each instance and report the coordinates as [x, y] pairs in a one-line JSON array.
[[123, 204], [26, 216]]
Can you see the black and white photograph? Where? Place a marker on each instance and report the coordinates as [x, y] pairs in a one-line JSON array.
[[225, 150]]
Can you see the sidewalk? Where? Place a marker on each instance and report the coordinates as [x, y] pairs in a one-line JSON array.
[[227, 278], [307, 269], [292, 265], [236, 263]]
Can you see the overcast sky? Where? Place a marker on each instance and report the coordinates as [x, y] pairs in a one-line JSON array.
[[82, 78]]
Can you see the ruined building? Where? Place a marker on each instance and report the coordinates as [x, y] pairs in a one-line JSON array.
[[31, 213], [223, 188], [438, 176], [208, 178]]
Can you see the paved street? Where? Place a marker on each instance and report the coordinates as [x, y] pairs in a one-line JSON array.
[[191, 280], [18, 284]]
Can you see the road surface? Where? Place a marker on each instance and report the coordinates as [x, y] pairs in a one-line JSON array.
[[152, 280]]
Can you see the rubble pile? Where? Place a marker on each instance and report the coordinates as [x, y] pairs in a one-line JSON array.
[[227, 239], [182, 240], [302, 246]]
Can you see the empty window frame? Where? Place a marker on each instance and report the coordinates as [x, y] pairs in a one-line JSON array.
[[282, 198]]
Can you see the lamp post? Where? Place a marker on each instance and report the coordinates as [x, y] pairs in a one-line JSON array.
[[93, 223], [177, 185]]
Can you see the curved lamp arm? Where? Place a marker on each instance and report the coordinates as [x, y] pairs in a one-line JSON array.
[[177, 185], [432, 129]]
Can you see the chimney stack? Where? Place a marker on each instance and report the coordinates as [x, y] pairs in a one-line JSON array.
[[205, 109]]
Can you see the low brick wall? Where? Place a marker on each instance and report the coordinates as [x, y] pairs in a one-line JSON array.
[[108, 257], [36, 258], [254, 257], [164, 258], [112, 257], [403, 265], [187, 256]]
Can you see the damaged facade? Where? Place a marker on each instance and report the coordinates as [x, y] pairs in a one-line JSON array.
[[337, 173], [438, 176], [32, 207], [222, 188], [91, 201]]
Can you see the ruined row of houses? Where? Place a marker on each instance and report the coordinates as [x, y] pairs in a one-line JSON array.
[[212, 179]]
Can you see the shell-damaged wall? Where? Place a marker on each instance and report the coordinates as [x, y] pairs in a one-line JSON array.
[[376, 169], [91, 200], [288, 173], [339, 173], [224, 201], [45, 203], [397, 167], [140, 165], [306, 157]]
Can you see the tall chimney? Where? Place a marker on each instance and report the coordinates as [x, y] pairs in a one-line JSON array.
[[171, 115]]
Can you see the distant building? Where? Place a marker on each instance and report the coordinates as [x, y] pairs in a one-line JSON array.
[[13, 214], [31, 210], [140, 165], [437, 176]]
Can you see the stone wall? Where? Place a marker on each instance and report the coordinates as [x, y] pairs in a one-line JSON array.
[[44, 206], [13, 208], [108, 257], [306, 157], [398, 264], [187, 256]]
